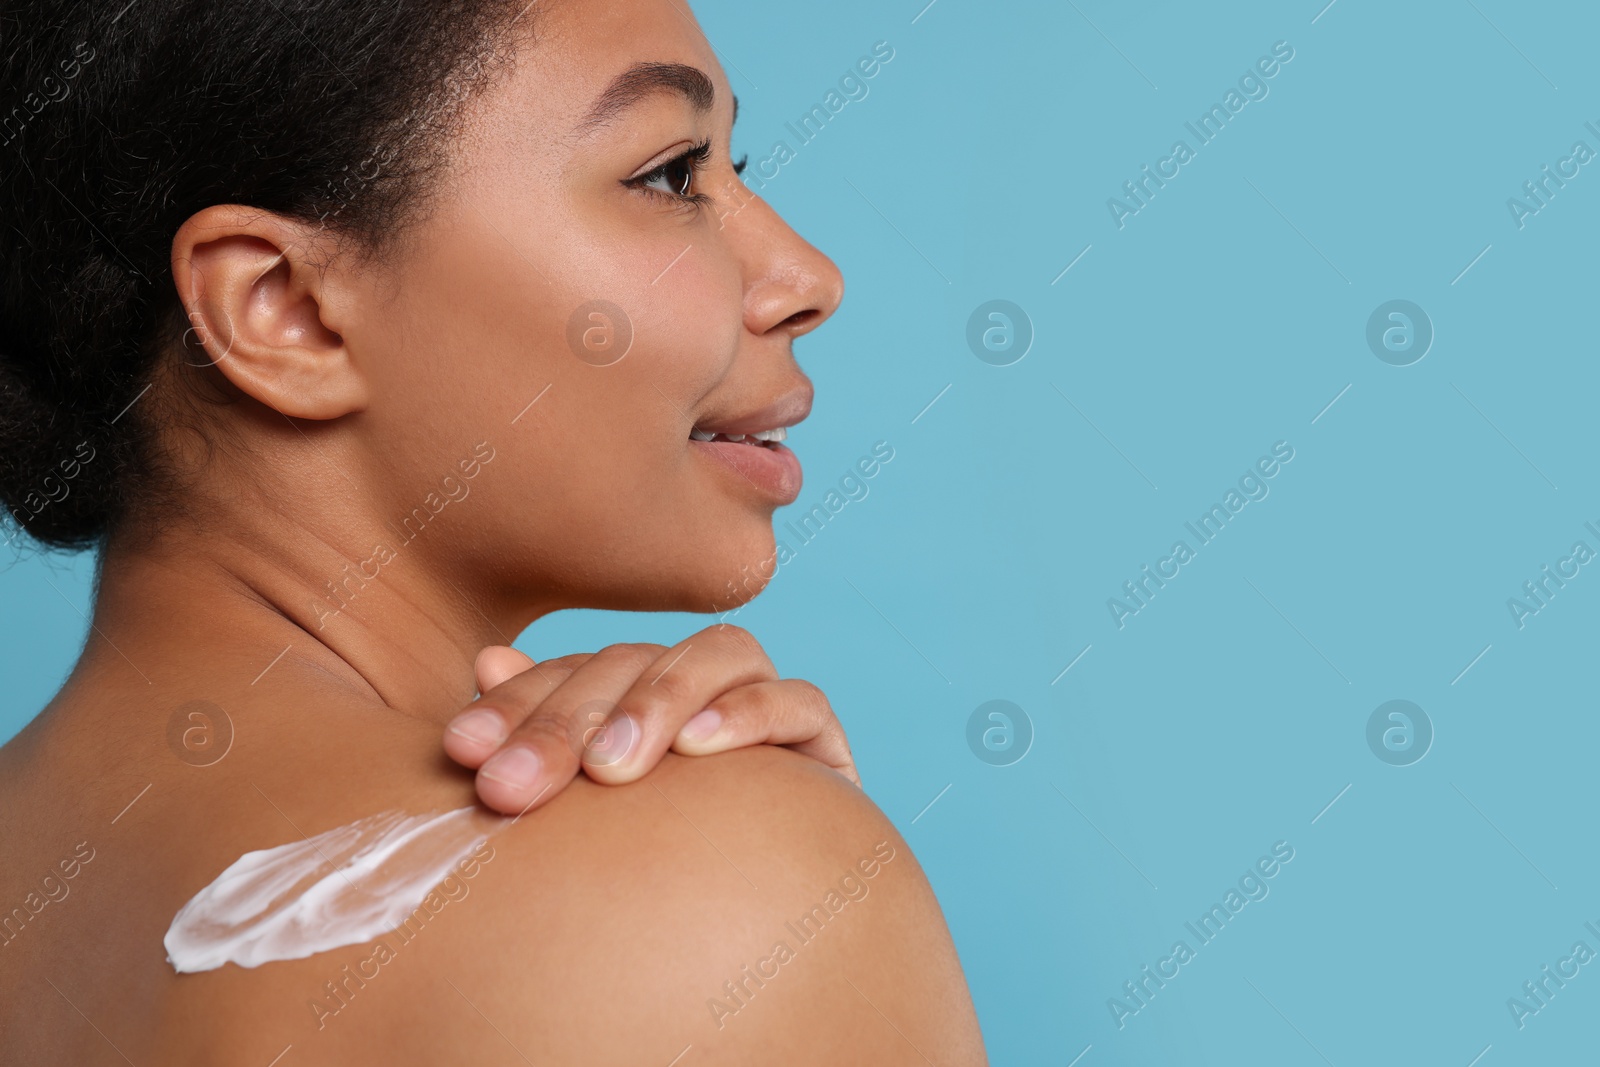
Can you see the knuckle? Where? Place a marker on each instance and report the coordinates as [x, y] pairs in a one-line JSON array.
[[519, 696], [556, 672], [677, 681], [810, 693], [731, 632], [628, 656], [521, 693], [741, 641], [546, 730], [643, 657], [652, 705], [814, 702]]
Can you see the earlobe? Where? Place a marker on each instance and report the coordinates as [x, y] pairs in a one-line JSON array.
[[261, 311]]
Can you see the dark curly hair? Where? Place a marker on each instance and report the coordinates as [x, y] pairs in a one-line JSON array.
[[119, 122]]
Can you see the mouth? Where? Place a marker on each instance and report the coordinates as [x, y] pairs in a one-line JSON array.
[[760, 437], [751, 446]]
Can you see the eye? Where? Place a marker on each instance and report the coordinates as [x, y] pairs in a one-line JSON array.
[[676, 177]]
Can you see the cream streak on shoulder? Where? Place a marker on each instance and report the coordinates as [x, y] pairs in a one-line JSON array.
[[341, 887]]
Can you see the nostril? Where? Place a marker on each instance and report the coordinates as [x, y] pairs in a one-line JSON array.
[[801, 320]]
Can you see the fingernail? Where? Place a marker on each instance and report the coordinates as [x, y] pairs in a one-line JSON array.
[[702, 726], [481, 727], [611, 742], [517, 767]]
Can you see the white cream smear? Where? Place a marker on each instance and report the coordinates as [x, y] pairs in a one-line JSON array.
[[338, 888]]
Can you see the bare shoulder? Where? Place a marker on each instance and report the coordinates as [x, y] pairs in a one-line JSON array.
[[749, 906]]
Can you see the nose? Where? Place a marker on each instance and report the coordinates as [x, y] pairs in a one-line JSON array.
[[791, 288]]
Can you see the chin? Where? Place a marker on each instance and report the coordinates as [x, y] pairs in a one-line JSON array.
[[735, 577], [701, 577]]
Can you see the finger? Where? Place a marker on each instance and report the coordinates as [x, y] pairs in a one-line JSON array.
[[541, 754], [499, 663], [482, 727], [789, 712], [680, 683]]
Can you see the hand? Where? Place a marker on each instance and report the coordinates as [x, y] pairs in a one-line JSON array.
[[616, 712]]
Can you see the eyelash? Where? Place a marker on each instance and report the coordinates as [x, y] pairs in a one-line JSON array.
[[696, 157]]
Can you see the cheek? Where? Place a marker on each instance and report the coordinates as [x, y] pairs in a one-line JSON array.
[[598, 467], [681, 322], [690, 326]]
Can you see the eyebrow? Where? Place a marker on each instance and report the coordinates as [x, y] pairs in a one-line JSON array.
[[644, 80]]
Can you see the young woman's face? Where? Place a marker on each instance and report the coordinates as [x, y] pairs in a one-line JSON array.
[[592, 253]]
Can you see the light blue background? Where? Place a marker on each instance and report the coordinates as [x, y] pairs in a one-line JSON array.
[[1224, 317]]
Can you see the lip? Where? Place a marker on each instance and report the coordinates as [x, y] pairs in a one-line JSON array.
[[787, 410], [773, 470]]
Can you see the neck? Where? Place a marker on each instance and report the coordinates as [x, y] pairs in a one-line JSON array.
[[262, 594]]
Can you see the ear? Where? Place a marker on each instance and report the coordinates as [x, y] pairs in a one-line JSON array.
[[265, 311]]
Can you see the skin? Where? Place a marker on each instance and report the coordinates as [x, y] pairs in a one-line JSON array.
[[608, 919]]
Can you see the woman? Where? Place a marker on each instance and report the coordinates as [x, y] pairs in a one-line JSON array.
[[361, 339]]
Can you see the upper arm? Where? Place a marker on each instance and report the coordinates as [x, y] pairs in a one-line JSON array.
[[752, 907]]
